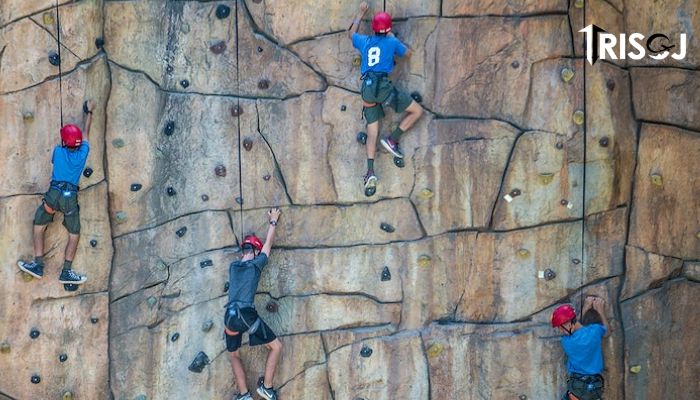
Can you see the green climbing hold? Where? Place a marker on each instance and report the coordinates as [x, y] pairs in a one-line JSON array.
[[118, 143], [48, 18], [120, 217], [5, 348], [67, 396], [578, 4], [207, 325], [427, 193], [185, 28], [635, 369], [435, 350], [28, 117], [523, 253], [161, 265], [424, 260], [567, 74], [579, 117], [657, 180], [546, 178], [152, 301]]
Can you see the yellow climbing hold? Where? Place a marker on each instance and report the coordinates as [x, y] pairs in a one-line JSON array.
[[435, 350], [427, 193], [4, 348], [567, 74], [657, 180], [48, 18], [697, 235], [424, 260], [28, 116], [67, 396], [546, 178], [523, 253], [357, 61], [579, 117], [635, 369], [26, 277], [578, 4]]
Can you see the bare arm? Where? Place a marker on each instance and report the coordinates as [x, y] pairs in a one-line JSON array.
[[274, 215], [89, 106], [356, 22]]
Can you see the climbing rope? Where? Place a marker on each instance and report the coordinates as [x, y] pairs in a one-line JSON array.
[[238, 106], [60, 71], [583, 195]]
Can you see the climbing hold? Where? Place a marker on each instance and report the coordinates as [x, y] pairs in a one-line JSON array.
[[225, 287], [67, 396], [610, 84], [26, 277], [206, 263], [566, 203], [343, 107], [184, 83], [54, 59], [236, 111], [578, 4], [161, 265], [427, 193], [151, 301], [523, 253], [181, 232], [120, 217], [63, 357], [366, 351], [48, 18], [247, 144], [357, 61], [567, 74], [399, 162], [362, 138], [141, 397], [94, 320], [70, 287], [5, 348], [386, 227], [549, 274], [169, 128], [386, 274], [174, 337], [87, 172], [118, 143], [205, 197], [222, 11], [99, 42], [185, 28], [635, 369], [93, 243], [199, 362], [513, 194], [522, 397], [657, 180], [417, 97], [135, 187], [34, 333], [576, 261], [579, 117], [370, 191], [263, 84], [546, 178], [271, 307], [559, 145], [260, 49], [604, 141], [220, 171], [207, 325], [424, 260], [218, 47], [435, 350], [239, 200], [257, 1], [28, 116], [169, 69], [267, 177], [515, 64], [171, 191], [36, 379]]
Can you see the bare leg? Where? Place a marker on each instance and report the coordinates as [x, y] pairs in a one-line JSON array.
[[39, 231], [238, 372], [372, 133], [72, 246], [413, 112], [273, 358]]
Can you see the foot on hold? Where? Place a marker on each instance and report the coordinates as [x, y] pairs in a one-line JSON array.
[[243, 396], [392, 147], [370, 183], [32, 268], [68, 276], [267, 393]]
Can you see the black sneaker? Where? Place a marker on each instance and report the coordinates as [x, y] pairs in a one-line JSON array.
[[392, 146], [32, 268], [265, 393], [370, 183], [70, 276], [245, 396]]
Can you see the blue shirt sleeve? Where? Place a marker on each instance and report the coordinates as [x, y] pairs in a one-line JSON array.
[[400, 48], [84, 150], [601, 329], [53, 155], [260, 261], [357, 40]]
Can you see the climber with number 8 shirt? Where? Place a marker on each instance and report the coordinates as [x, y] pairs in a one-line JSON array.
[[377, 53], [68, 160], [582, 344]]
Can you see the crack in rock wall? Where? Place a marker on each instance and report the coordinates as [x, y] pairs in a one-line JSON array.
[[210, 112]]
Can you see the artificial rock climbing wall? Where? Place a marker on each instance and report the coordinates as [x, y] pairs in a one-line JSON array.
[[532, 178]]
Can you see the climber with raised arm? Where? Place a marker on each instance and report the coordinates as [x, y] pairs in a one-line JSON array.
[[377, 52], [241, 317], [68, 160], [583, 347]]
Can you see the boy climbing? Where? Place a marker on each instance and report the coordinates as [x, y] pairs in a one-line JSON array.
[[68, 162], [377, 53], [241, 317], [582, 345]]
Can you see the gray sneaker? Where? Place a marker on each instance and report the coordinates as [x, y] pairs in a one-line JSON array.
[[70, 276], [268, 394], [244, 396], [32, 268]]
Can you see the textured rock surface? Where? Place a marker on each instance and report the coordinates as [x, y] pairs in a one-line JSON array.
[[204, 121]]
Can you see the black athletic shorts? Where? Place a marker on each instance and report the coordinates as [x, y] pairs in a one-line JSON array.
[[262, 335]]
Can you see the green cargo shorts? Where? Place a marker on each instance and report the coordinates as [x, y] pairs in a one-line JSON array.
[[382, 91], [65, 202]]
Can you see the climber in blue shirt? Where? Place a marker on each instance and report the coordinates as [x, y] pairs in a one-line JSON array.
[[582, 344]]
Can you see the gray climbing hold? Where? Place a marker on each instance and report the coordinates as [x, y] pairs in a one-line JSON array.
[[559, 145], [515, 193], [604, 141], [54, 59], [417, 97], [99, 42], [135, 187], [94, 320], [564, 202], [181, 232], [220, 171], [248, 144], [362, 138], [169, 128], [141, 397], [515, 64], [152, 301], [169, 69], [260, 49], [120, 217], [271, 307], [174, 337], [70, 287], [36, 379], [218, 47], [184, 83], [366, 351], [239, 200], [200, 361], [549, 274], [236, 111], [576, 261], [610, 84], [222, 11], [34, 333], [206, 263], [386, 227], [399, 162], [63, 357], [207, 325], [118, 143], [205, 197], [226, 287], [263, 84], [386, 274], [171, 191], [93, 243], [343, 107], [185, 28], [267, 177]]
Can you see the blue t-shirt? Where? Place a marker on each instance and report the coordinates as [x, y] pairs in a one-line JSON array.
[[243, 279], [378, 52], [584, 350], [68, 164]]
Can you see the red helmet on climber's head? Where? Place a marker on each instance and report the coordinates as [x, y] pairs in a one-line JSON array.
[[71, 136], [252, 242], [562, 315], [381, 23]]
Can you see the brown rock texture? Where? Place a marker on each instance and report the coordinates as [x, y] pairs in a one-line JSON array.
[[533, 179]]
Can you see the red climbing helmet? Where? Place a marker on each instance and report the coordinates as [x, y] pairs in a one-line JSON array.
[[381, 23], [253, 241], [71, 136], [562, 315]]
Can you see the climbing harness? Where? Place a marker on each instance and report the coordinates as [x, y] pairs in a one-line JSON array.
[[584, 387], [235, 323]]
